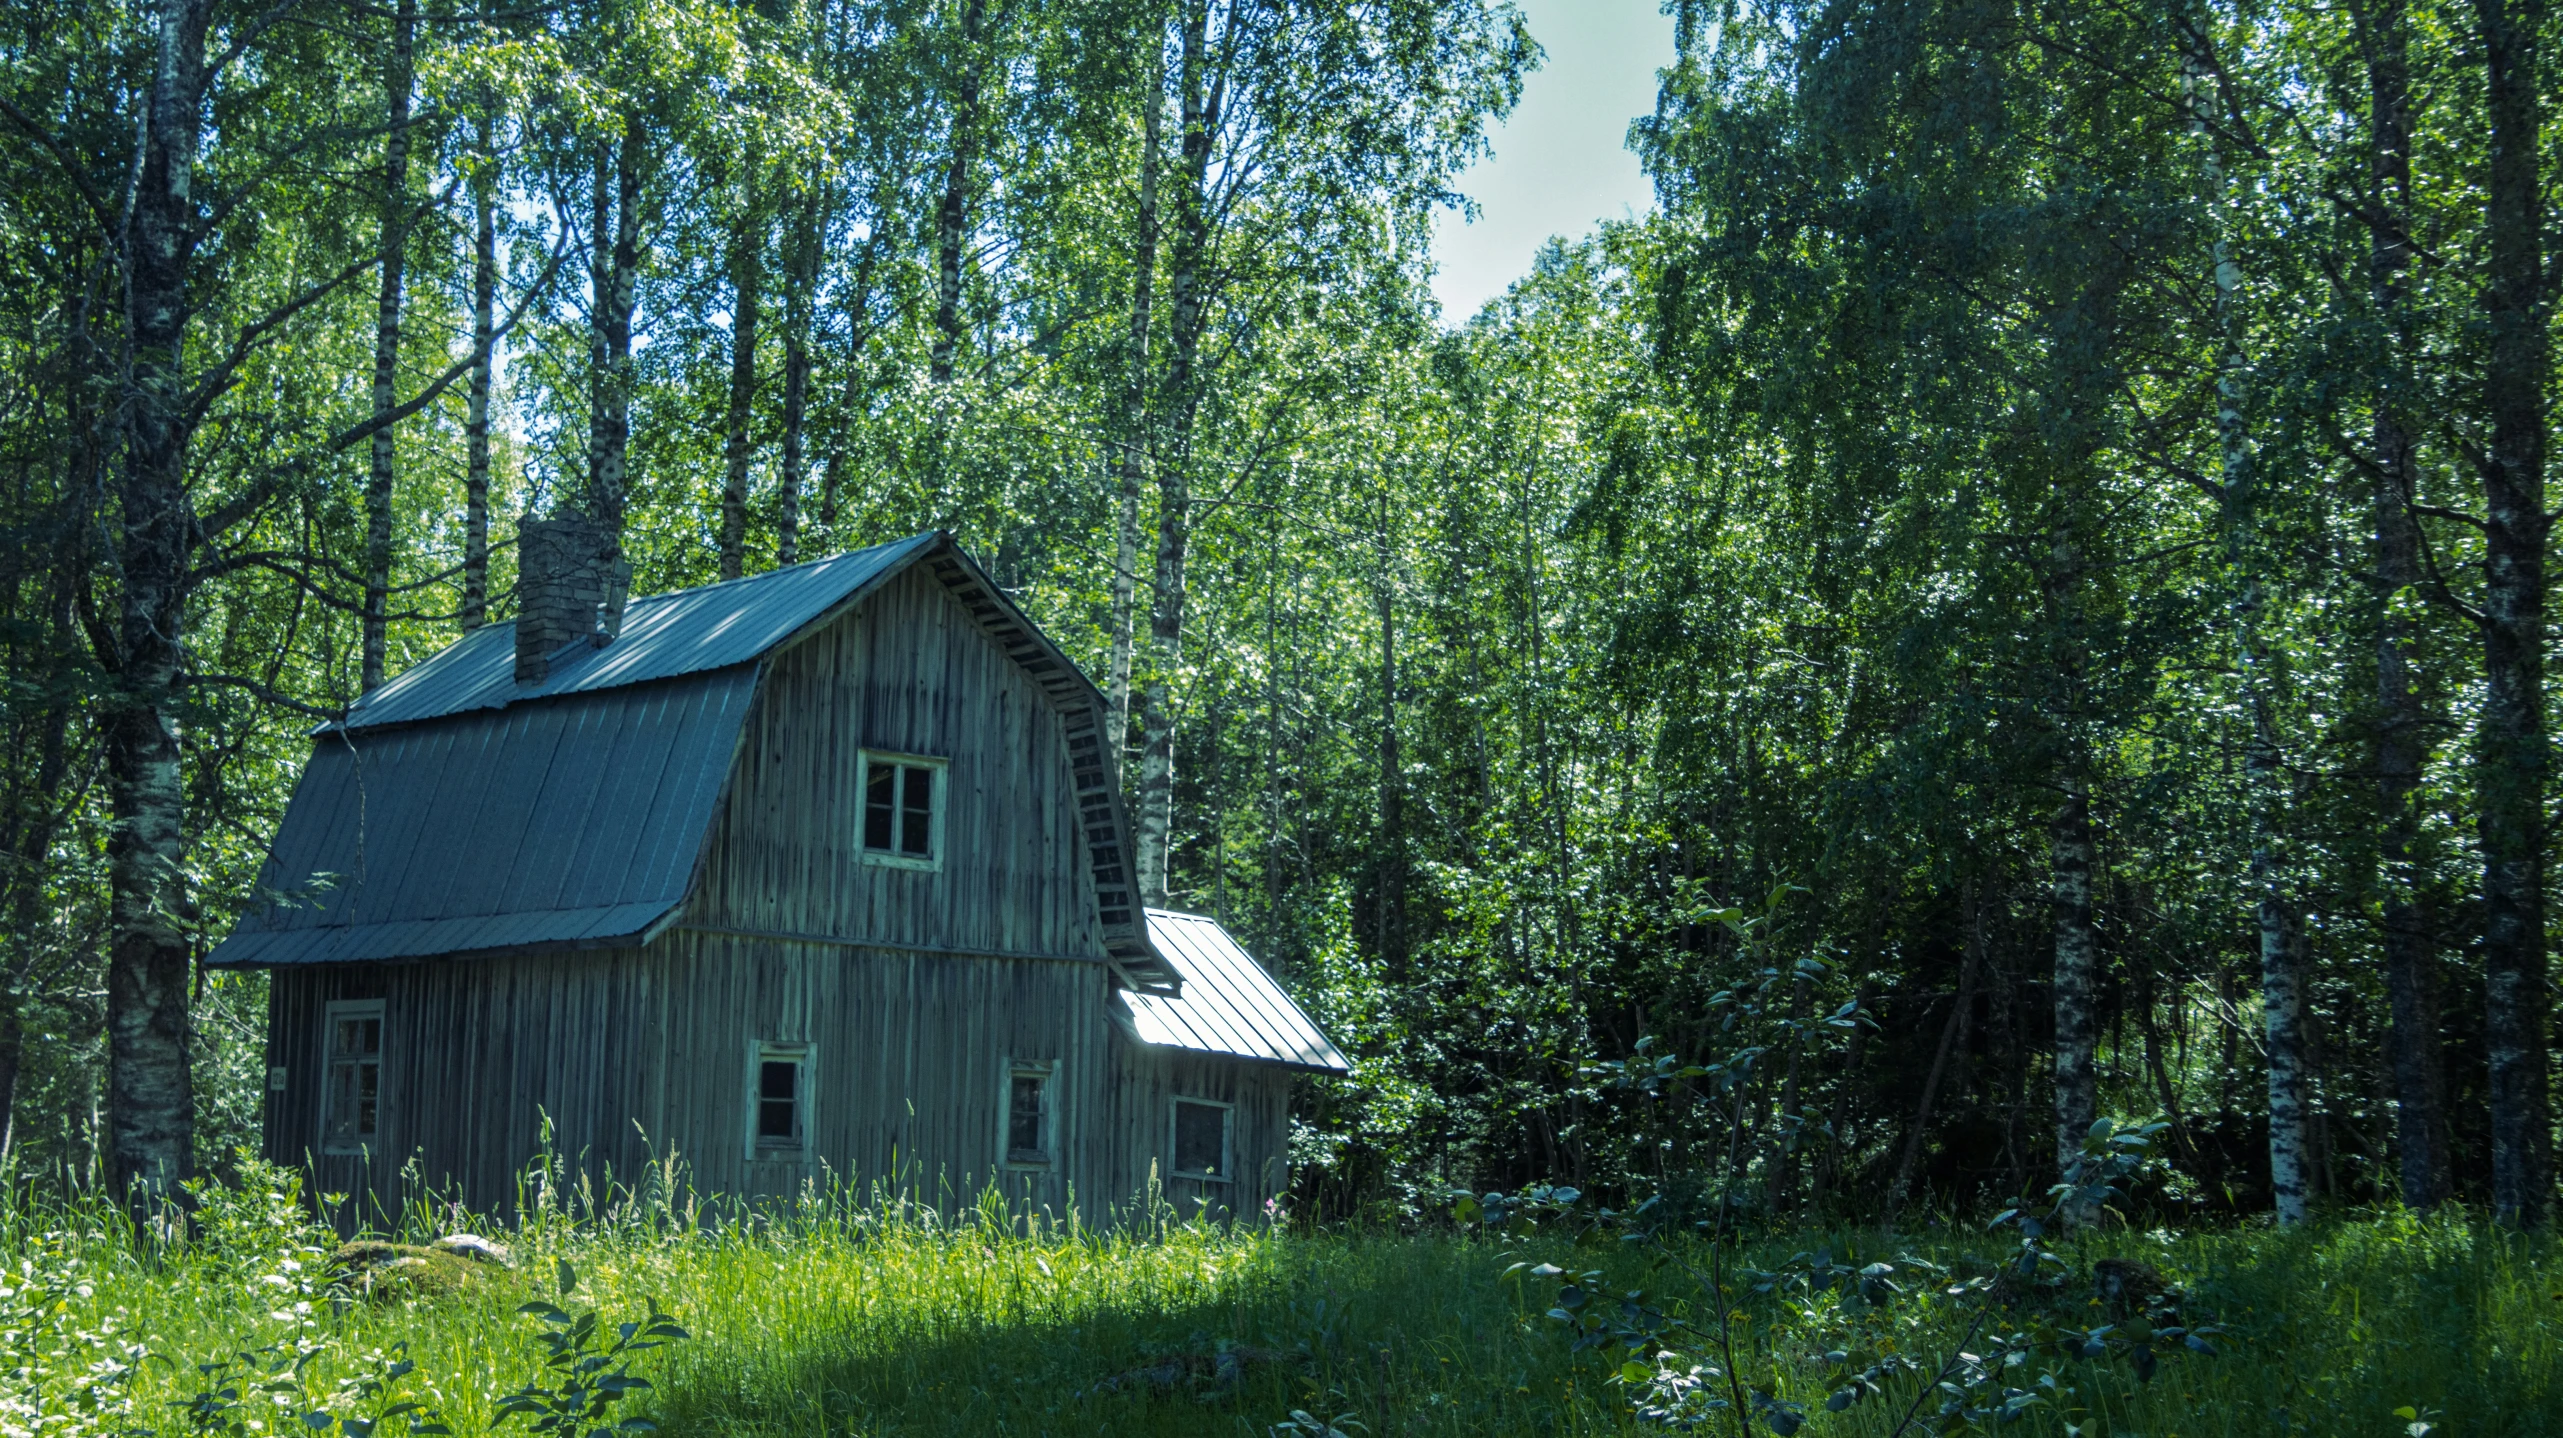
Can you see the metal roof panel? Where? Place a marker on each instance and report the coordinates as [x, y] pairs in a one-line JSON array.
[[540, 825], [1229, 1004], [685, 631]]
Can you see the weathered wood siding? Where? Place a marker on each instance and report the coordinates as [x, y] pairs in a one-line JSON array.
[[635, 1055], [910, 672], [913, 989]]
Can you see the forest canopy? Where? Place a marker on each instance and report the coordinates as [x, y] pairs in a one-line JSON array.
[[2013, 600]]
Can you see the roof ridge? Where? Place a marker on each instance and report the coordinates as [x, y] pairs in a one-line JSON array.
[[780, 569]]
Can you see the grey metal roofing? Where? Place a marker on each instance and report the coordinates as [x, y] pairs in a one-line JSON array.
[[663, 636], [605, 777], [556, 825], [1229, 1004]]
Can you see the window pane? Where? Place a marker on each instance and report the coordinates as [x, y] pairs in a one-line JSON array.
[[1201, 1137], [342, 1100], [778, 1100], [916, 829], [351, 1080], [1023, 1117], [880, 805]]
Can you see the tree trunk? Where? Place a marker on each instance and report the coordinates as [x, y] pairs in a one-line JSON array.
[[1132, 469], [150, 1095], [2077, 976], [858, 330], [600, 306], [1392, 778], [2411, 980], [952, 218], [476, 420], [801, 275], [393, 239], [13, 1045], [747, 285], [36, 818], [617, 296], [2282, 999], [1186, 289], [2511, 770], [1953, 1036]]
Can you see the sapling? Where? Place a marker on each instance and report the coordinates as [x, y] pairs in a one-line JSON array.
[[585, 1373]]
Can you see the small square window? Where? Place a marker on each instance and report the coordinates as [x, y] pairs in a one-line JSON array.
[[1201, 1140], [1029, 1123], [902, 810], [352, 1099], [779, 1101]]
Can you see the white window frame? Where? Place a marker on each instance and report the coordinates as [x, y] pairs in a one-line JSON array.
[[1227, 1140], [804, 1100], [331, 1015], [890, 858], [1007, 1073]]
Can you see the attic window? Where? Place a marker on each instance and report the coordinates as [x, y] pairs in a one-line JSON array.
[[352, 1105], [1201, 1140], [903, 811]]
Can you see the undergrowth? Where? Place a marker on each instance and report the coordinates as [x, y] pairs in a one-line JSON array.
[[844, 1317]]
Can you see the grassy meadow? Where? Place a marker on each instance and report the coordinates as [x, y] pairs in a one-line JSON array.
[[848, 1319]]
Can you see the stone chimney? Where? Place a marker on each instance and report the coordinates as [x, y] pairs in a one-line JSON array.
[[570, 588]]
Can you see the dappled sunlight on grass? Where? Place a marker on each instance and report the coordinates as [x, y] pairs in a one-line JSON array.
[[852, 1320]]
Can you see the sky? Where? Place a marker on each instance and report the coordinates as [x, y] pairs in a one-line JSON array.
[[1560, 164]]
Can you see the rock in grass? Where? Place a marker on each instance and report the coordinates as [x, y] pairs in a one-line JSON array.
[[370, 1268], [475, 1248], [2130, 1288]]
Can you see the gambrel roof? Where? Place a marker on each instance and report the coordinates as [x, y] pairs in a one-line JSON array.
[[455, 812]]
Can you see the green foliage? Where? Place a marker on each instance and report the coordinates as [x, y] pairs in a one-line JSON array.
[[886, 1320], [1946, 1352], [586, 1375], [250, 1390]]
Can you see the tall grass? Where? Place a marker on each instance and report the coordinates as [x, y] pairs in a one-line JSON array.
[[853, 1315]]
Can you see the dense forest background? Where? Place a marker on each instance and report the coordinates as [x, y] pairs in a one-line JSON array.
[[2015, 597]]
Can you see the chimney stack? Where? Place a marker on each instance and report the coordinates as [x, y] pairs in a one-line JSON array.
[[570, 588]]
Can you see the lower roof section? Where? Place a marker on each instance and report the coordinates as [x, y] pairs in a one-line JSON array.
[[483, 935], [574, 822], [1228, 1006]]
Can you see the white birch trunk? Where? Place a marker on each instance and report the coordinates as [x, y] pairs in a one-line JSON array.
[[393, 241]]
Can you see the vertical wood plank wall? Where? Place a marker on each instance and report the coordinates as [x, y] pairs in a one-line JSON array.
[[638, 1053], [909, 672]]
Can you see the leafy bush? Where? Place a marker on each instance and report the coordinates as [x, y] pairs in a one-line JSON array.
[[585, 1376], [1851, 1333]]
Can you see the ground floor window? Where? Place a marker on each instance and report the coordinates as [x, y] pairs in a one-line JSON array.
[[1201, 1139], [1029, 1123], [779, 1100], [352, 1099]]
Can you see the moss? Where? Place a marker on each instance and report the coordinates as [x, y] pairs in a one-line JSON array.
[[377, 1270]]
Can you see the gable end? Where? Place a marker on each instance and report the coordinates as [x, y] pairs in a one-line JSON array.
[[1102, 819]]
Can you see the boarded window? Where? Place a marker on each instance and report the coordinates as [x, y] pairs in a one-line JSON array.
[[779, 1102], [352, 1101], [1028, 1117], [1201, 1139], [902, 810]]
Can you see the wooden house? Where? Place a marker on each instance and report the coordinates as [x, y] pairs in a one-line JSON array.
[[817, 876]]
